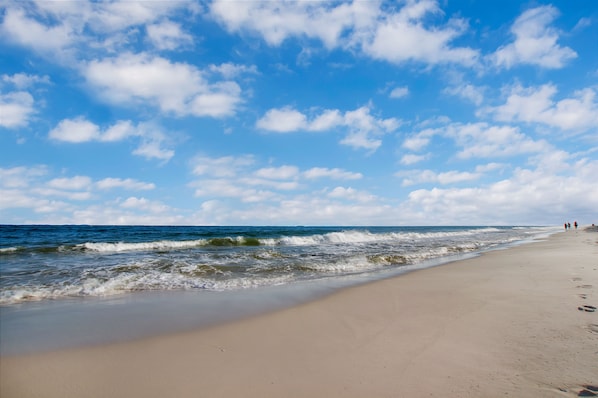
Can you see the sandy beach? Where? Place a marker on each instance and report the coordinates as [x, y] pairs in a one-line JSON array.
[[518, 322]]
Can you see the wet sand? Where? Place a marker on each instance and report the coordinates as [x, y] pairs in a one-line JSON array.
[[518, 322]]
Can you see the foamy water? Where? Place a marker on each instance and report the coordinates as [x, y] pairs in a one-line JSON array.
[[53, 262]]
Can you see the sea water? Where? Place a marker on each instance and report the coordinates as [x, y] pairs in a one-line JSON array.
[[73, 284]]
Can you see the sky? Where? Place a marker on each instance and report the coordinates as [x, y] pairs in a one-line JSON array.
[[284, 112]]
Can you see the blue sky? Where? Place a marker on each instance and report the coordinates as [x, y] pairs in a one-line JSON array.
[[299, 113]]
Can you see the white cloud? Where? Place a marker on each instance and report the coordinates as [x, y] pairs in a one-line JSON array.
[[75, 130], [19, 177], [229, 70], [335, 174], [81, 130], [143, 204], [69, 30], [484, 168], [70, 183], [535, 42], [226, 166], [76, 199], [417, 142], [176, 88], [399, 92], [536, 105], [16, 109], [229, 178], [168, 35], [351, 194], [360, 125], [485, 141], [126, 183], [276, 21], [353, 25], [153, 150], [417, 42], [468, 92], [28, 32], [430, 177], [284, 120], [411, 158], [482, 140], [527, 197], [278, 173], [23, 80]]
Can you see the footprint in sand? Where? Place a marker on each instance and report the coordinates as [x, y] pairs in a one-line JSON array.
[[583, 296], [576, 279], [587, 308], [588, 391], [593, 327], [584, 286]]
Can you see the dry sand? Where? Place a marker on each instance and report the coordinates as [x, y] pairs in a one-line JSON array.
[[508, 323]]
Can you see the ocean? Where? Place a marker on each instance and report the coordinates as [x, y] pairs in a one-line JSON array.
[[40, 262], [78, 284]]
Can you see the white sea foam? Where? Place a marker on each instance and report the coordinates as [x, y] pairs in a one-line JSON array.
[[234, 264], [126, 283], [141, 246]]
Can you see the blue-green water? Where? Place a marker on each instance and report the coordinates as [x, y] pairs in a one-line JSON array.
[[39, 263]]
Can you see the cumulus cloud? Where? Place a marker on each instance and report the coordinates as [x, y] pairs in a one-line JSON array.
[[24, 80], [417, 142], [529, 196], [76, 199], [75, 130], [536, 42], [124, 183], [467, 91], [360, 125], [18, 106], [278, 173], [536, 105], [283, 120], [70, 183], [143, 204], [417, 42], [26, 31], [229, 70], [366, 26], [399, 92], [241, 178], [275, 21], [16, 109], [480, 140], [168, 35], [81, 130], [486, 141], [69, 30], [177, 88], [335, 174], [351, 194], [225, 166], [411, 158], [431, 177]]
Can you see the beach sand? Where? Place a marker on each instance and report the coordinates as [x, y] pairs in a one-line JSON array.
[[515, 322]]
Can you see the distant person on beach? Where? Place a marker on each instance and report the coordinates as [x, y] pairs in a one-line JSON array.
[[575, 223], [565, 226], [569, 225]]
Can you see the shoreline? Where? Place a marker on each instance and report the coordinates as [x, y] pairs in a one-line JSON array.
[[504, 322], [42, 326]]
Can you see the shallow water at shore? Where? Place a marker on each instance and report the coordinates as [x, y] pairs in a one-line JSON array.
[[311, 264]]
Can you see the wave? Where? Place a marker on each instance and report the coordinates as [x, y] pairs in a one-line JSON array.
[[350, 236], [133, 282]]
